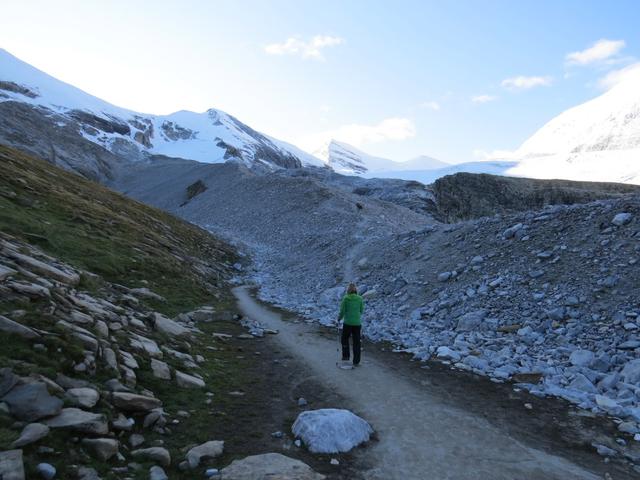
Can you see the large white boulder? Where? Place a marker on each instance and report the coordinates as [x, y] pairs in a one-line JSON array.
[[331, 430]]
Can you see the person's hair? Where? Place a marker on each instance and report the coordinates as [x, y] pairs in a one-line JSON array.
[[352, 288]]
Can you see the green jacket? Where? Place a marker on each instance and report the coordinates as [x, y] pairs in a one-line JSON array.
[[351, 308]]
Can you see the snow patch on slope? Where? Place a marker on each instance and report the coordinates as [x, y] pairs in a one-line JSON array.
[[210, 137], [598, 140]]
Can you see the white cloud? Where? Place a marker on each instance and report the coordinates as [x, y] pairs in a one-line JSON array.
[[614, 77], [305, 49], [599, 52], [483, 98], [395, 129], [523, 83], [431, 105]]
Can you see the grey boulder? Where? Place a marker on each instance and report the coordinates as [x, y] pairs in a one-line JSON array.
[[9, 326], [32, 402], [269, 465], [132, 402], [83, 397], [31, 434], [207, 450], [101, 448], [80, 421], [470, 321]]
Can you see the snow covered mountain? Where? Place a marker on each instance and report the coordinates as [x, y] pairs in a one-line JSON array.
[[349, 160], [211, 137], [597, 140]]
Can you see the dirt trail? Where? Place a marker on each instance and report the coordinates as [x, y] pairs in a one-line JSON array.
[[420, 436]]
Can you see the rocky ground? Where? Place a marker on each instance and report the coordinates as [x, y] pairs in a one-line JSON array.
[[545, 298], [295, 227], [123, 356]]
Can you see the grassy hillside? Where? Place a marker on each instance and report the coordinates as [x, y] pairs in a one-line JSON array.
[[113, 241], [96, 229]]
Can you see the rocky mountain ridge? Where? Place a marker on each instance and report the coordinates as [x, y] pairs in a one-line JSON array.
[[62, 123]]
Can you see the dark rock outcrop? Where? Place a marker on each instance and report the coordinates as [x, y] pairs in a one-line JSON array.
[[465, 196]]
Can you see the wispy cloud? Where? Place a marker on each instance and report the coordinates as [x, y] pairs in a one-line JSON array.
[[601, 51], [614, 77], [305, 49], [524, 83], [394, 129], [483, 98], [431, 105]]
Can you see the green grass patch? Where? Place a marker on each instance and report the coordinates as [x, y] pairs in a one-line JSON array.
[[98, 230]]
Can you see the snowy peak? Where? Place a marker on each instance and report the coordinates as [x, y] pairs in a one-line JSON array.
[[344, 158], [210, 137], [598, 140], [349, 160], [608, 122]]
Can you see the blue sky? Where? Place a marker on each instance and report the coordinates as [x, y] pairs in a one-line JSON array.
[[397, 78]]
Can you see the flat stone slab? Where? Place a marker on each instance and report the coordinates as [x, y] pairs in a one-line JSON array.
[[185, 380], [11, 465], [132, 402], [32, 402], [80, 421], [168, 326], [9, 326], [83, 397], [45, 269], [269, 465]]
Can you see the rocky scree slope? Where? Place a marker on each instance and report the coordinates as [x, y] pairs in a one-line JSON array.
[[96, 378], [296, 227], [548, 299], [519, 297]]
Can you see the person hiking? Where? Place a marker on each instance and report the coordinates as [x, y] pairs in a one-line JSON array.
[[351, 308]]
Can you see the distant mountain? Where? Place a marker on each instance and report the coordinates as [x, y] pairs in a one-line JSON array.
[[29, 96], [349, 160], [428, 176], [597, 140]]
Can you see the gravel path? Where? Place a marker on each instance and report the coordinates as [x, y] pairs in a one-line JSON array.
[[419, 435]]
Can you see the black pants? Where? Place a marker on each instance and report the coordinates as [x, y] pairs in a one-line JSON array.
[[351, 331]]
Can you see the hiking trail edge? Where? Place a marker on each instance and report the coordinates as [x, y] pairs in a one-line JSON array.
[[419, 435]]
